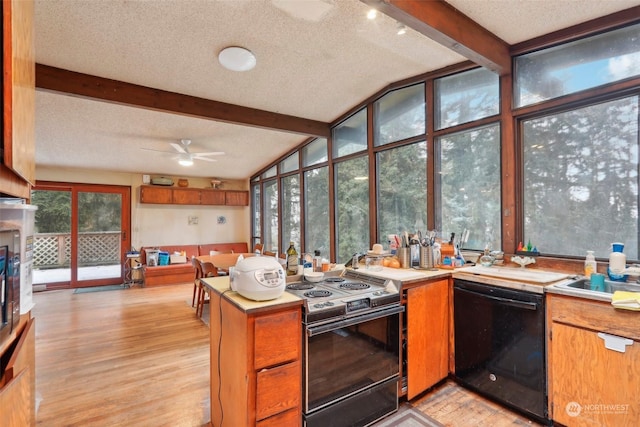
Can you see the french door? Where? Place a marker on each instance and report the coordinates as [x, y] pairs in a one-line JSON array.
[[82, 234]]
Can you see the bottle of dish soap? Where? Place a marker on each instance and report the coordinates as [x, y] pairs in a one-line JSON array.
[[590, 265], [617, 261]]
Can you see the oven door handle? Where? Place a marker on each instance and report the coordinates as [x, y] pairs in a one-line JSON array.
[[315, 330], [506, 301]]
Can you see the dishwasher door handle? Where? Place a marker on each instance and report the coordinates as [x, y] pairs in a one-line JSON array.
[[505, 301]]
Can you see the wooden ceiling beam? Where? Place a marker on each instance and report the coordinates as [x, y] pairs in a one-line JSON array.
[[446, 25], [118, 92]]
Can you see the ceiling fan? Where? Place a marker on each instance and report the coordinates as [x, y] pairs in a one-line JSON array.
[[186, 157]]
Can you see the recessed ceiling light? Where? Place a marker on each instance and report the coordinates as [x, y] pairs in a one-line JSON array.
[[236, 58], [372, 14], [401, 29]]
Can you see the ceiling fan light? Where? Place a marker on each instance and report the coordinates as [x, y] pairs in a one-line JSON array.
[[185, 161], [236, 58]]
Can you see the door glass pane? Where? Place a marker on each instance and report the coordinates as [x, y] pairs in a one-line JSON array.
[[316, 235], [399, 115], [52, 246], [581, 180], [270, 201], [402, 190], [99, 235], [350, 136], [352, 207], [469, 193], [291, 211]]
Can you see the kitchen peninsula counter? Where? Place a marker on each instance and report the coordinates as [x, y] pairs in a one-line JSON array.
[[256, 358], [220, 285]]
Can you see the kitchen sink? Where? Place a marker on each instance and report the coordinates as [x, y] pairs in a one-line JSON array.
[[610, 286]]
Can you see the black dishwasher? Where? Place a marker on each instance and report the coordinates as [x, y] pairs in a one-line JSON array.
[[500, 345]]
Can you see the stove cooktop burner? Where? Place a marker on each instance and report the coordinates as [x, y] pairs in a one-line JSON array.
[[317, 294], [334, 280], [354, 286], [300, 286]]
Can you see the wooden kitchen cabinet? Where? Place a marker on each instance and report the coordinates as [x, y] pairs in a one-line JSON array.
[[590, 384], [185, 196], [236, 198], [17, 168], [192, 196], [18, 381], [212, 197], [426, 335], [160, 195], [256, 371]]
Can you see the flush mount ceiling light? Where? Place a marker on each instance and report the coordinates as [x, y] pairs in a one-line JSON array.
[[402, 29], [372, 13], [236, 58]]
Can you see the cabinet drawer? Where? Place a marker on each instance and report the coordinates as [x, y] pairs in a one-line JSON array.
[[278, 338], [278, 389], [291, 418], [594, 315]]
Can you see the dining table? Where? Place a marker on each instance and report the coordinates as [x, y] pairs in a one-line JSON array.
[[223, 261]]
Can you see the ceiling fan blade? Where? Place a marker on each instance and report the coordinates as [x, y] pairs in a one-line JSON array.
[[157, 151], [179, 148], [211, 153], [206, 159]]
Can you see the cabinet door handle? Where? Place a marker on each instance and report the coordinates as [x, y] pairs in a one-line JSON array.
[[615, 343]]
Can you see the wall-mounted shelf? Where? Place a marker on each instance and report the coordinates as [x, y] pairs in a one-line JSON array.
[[192, 196]]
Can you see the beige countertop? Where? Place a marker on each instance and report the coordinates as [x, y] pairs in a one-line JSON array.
[[220, 285], [523, 279], [405, 275]]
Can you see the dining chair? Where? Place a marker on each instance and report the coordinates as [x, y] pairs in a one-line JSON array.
[[258, 248], [196, 280], [207, 269]]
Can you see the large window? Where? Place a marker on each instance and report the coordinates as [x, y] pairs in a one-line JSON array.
[[291, 211], [402, 190], [255, 213], [350, 136], [469, 169], [315, 152], [581, 179], [399, 115], [569, 68], [270, 209], [352, 207], [316, 211], [465, 97]]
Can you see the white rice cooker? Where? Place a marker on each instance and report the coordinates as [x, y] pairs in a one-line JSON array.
[[259, 278]]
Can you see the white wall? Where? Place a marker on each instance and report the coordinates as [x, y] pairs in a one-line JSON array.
[[155, 225]]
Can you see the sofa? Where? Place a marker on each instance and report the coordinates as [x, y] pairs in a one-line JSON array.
[[182, 272]]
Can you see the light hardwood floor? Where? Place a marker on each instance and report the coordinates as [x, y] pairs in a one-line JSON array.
[[140, 357]]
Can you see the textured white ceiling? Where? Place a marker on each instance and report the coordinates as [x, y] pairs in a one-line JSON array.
[[315, 59]]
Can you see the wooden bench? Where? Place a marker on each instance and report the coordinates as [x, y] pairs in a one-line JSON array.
[[183, 272]]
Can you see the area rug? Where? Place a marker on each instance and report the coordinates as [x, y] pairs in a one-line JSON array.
[[408, 416], [98, 289]]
